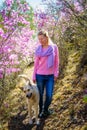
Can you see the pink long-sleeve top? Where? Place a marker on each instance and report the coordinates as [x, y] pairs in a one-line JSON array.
[[40, 64]]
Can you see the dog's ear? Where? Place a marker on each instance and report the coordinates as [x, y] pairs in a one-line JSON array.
[[29, 83]]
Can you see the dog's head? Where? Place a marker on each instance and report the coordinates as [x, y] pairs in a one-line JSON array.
[[28, 90]]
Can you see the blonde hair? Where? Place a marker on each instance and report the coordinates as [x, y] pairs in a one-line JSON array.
[[45, 33]]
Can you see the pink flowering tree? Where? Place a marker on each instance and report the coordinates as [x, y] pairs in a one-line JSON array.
[[65, 21], [60, 12], [15, 35], [67, 7], [17, 42]]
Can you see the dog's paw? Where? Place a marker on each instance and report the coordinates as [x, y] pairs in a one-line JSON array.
[[30, 122], [38, 122]]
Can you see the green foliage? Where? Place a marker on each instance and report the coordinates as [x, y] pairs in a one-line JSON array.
[[0, 18], [30, 18], [20, 24], [6, 84], [28, 15], [23, 1], [85, 98], [15, 5]]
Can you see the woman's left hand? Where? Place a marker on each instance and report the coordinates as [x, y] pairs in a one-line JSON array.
[[55, 78]]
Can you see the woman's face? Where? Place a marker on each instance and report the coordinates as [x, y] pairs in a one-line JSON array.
[[43, 40]]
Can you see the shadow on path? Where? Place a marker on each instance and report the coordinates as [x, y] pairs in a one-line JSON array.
[[17, 123]]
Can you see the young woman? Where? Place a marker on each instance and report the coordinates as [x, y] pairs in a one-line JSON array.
[[46, 70]]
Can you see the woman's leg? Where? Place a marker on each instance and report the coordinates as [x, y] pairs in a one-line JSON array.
[[49, 91], [40, 85]]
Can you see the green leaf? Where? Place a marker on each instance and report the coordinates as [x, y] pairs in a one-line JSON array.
[[85, 98]]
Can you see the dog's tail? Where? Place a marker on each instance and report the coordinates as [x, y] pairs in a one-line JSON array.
[[26, 78]]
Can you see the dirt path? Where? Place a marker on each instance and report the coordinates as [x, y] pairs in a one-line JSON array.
[[18, 109], [70, 112]]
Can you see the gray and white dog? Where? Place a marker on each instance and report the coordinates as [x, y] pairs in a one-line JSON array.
[[32, 96]]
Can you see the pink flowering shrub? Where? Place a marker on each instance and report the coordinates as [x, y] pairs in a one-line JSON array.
[[17, 42]]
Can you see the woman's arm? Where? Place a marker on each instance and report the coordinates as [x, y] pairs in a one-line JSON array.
[[56, 62], [36, 63]]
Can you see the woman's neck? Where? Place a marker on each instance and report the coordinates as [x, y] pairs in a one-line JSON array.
[[45, 46]]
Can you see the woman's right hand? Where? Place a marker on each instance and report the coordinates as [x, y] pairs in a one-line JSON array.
[[34, 81]]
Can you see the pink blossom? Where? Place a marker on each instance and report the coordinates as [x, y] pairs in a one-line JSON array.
[[16, 42], [13, 57], [13, 62], [6, 48], [77, 6], [6, 63], [1, 76], [6, 104], [11, 70], [1, 32], [1, 70], [9, 2]]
